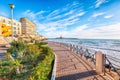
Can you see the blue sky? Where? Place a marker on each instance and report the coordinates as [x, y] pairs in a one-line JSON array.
[[69, 18]]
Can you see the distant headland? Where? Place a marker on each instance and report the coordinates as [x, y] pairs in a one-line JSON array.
[[65, 38]]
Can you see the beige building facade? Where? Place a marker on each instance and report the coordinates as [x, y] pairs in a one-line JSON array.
[[28, 27], [7, 22], [24, 28]]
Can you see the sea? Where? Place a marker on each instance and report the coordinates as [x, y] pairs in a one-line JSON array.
[[110, 47]]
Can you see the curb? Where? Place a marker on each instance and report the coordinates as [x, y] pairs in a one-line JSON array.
[[54, 69]]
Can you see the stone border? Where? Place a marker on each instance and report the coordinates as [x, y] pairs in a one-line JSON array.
[[54, 68]]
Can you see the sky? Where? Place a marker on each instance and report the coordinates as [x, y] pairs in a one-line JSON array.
[[86, 19]]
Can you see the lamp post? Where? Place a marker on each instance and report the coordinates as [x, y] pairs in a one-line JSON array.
[[12, 7]]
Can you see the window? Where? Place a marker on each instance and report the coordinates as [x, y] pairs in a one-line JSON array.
[[14, 32], [4, 20], [14, 23], [14, 27], [9, 22]]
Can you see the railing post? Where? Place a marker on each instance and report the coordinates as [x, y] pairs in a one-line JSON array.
[[70, 47], [77, 49], [100, 62], [60, 44]]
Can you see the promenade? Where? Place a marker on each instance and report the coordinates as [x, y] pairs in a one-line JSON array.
[[70, 66]]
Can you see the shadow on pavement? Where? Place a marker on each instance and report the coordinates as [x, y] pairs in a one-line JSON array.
[[79, 76]]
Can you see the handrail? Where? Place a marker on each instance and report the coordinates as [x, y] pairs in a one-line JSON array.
[[89, 53], [81, 51], [110, 65], [113, 58]]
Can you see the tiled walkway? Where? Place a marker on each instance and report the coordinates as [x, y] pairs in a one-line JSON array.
[[69, 66]]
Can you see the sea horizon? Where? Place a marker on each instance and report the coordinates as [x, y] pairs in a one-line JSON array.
[[84, 38]]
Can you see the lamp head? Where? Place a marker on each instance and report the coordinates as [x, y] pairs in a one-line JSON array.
[[11, 6]]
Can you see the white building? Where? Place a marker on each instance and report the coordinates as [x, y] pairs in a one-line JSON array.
[[16, 25]]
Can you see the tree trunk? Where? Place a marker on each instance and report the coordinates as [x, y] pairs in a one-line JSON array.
[[12, 58], [17, 70]]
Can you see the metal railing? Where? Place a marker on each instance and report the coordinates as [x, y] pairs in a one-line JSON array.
[[80, 50], [112, 63]]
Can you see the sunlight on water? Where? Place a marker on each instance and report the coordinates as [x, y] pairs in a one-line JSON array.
[[106, 46]]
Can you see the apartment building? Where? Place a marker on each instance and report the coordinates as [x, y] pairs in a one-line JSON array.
[[28, 27], [7, 22]]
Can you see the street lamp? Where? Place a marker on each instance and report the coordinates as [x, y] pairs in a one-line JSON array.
[[12, 7]]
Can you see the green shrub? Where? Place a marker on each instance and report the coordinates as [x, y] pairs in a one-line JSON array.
[[31, 54], [40, 44], [5, 63], [34, 64], [43, 69], [17, 48]]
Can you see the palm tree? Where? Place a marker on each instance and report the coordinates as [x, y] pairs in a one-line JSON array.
[[15, 53]]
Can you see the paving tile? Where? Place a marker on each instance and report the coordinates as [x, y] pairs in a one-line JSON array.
[[71, 68]]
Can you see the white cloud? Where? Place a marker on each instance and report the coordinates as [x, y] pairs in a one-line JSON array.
[[3, 14], [65, 14], [40, 12], [58, 15], [41, 26], [28, 13], [32, 15], [98, 14], [72, 18], [50, 29], [95, 14], [78, 29], [105, 32], [81, 14], [56, 20], [111, 31], [53, 13], [75, 3], [108, 16], [66, 33], [54, 24], [100, 2]]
